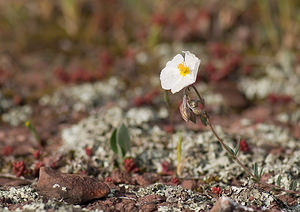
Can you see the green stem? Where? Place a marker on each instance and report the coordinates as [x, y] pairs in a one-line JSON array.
[[178, 170]]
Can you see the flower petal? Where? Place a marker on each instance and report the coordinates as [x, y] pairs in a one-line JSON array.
[[175, 61], [168, 76], [182, 83], [192, 62]]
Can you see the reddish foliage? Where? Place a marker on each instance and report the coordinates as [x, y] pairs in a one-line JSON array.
[[4, 76], [279, 98], [216, 190], [175, 181], [79, 75], [244, 146], [229, 66], [54, 164], [130, 165], [146, 99], [7, 151], [19, 168], [166, 168], [158, 19], [168, 128], [37, 166], [108, 179], [17, 99], [247, 69], [178, 18], [61, 75], [88, 151], [218, 50], [106, 59], [37, 154]]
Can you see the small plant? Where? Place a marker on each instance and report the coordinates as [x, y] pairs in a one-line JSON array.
[[120, 143], [256, 173], [180, 73], [179, 165], [216, 190], [34, 132]]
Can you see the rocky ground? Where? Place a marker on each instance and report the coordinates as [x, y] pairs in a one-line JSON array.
[[62, 98], [75, 123]]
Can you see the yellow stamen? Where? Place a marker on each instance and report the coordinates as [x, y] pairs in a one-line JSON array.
[[183, 69]]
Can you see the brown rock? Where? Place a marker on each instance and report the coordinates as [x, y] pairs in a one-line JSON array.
[[154, 198], [145, 179], [121, 177], [72, 188], [148, 207], [7, 181], [223, 204], [126, 205], [189, 184]]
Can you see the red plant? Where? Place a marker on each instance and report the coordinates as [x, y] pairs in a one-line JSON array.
[[108, 179], [7, 151], [105, 59], [166, 168], [175, 181], [218, 50], [168, 128], [130, 165], [216, 190], [146, 99], [244, 147], [19, 168], [279, 98], [61, 75], [36, 154], [88, 151], [37, 166]]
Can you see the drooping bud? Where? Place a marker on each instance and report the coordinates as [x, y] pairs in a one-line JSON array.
[[186, 112], [194, 106]]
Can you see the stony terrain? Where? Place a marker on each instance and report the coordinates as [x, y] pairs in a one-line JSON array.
[[74, 93]]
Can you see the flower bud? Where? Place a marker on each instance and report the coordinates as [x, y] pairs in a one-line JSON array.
[[195, 106], [186, 113]]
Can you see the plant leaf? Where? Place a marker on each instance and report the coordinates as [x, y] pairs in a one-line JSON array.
[[278, 181], [293, 185], [237, 148], [123, 139], [113, 142], [203, 118], [255, 167], [261, 172], [231, 150]]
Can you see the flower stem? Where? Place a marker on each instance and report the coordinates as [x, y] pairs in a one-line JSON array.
[[178, 170], [206, 121], [229, 152]]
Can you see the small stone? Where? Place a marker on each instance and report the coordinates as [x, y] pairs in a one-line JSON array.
[[121, 177], [6, 181], [153, 198], [72, 188], [223, 204], [148, 207], [145, 179], [188, 184]]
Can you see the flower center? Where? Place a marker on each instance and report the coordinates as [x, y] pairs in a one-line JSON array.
[[183, 69]]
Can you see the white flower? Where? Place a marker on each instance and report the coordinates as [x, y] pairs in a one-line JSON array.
[[179, 72]]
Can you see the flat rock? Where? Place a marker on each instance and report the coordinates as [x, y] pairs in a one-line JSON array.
[[8, 181], [72, 188]]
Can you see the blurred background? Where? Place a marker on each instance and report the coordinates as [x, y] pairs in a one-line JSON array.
[[46, 44]]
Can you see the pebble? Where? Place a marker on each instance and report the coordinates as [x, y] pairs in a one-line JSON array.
[[72, 188]]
